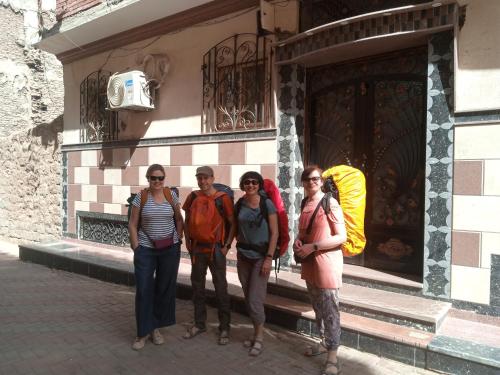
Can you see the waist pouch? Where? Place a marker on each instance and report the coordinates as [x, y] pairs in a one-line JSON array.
[[163, 243]]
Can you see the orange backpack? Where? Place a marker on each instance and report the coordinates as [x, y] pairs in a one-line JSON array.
[[206, 223]]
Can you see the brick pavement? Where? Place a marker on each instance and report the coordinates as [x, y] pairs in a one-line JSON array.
[[53, 322]]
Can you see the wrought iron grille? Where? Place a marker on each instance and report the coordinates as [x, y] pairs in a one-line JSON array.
[[237, 85], [315, 13], [111, 232], [97, 124]]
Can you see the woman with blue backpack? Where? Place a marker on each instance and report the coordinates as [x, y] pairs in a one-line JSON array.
[[257, 237]]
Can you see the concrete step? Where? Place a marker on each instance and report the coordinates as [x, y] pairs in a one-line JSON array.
[[407, 343]]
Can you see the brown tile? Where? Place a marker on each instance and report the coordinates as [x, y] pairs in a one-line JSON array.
[[468, 177], [71, 225], [238, 194], [71, 209], [136, 189], [181, 155], [74, 192], [96, 176], [139, 156], [96, 207], [268, 171], [71, 175], [130, 176], [183, 194], [465, 248], [222, 174], [74, 159], [105, 157], [232, 153], [173, 176], [105, 194], [124, 209]]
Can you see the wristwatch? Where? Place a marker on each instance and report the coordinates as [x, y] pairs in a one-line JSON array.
[[315, 247]]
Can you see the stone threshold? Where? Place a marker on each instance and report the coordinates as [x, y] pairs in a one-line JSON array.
[[409, 345]]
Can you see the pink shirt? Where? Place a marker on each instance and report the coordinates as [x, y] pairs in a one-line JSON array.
[[324, 268]]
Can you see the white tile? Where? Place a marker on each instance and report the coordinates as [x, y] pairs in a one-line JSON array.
[[112, 208], [159, 155], [89, 158], [490, 244], [143, 181], [261, 152], [113, 176], [477, 142], [89, 193], [188, 178], [476, 213], [120, 194], [82, 206], [238, 170], [121, 157], [206, 154], [470, 284], [492, 177], [82, 175]]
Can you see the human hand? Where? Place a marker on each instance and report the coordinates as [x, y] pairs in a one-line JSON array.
[[266, 266], [305, 250], [297, 244], [224, 250]]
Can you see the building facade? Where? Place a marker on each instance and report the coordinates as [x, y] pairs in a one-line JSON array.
[[402, 90]]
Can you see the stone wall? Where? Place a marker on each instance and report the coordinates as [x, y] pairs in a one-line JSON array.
[[31, 107]]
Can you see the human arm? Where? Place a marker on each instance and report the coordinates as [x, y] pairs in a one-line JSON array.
[[186, 207], [133, 224], [273, 240], [229, 212]]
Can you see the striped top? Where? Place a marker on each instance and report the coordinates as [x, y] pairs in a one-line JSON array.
[[156, 219]]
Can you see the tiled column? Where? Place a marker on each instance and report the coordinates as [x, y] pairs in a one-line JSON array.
[[439, 157], [291, 95]]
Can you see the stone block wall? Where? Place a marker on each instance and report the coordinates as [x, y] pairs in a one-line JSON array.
[[31, 107]]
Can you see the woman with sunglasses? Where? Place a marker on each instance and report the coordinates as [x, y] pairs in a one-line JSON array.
[[318, 245], [256, 242], [155, 229]]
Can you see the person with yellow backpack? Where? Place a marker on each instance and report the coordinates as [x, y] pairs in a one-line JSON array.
[[209, 230]]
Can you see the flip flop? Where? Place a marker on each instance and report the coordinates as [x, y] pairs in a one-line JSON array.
[[256, 348], [314, 350], [223, 338], [193, 331], [331, 368]]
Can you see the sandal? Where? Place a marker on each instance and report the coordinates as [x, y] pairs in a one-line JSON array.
[[223, 338], [331, 368], [193, 331], [256, 348], [248, 343], [314, 350]]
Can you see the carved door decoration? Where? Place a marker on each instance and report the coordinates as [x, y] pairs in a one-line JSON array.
[[377, 124]]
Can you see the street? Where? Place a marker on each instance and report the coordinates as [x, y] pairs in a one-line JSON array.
[[54, 322]]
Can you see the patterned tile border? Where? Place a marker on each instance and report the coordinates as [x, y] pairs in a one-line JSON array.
[[421, 18], [291, 114], [439, 167]]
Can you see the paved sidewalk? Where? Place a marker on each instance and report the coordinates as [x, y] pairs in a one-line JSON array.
[[53, 322]]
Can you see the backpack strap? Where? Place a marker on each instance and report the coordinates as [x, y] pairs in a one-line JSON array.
[[168, 195], [309, 226], [219, 202], [303, 204]]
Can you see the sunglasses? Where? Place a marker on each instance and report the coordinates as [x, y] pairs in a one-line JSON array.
[[251, 182], [312, 179], [156, 178]]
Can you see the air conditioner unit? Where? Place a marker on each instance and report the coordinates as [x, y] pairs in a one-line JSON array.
[[129, 90]]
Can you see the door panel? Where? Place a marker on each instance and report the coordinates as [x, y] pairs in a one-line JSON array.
[[377, 124]]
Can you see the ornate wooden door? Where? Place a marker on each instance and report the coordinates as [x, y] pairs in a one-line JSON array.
[[377, 124]]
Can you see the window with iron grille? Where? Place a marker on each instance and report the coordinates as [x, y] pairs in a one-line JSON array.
[[97, 123], [237, 85]]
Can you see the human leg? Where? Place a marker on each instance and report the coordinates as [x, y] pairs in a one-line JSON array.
[[144, 267], [198, 280], [218, 269]]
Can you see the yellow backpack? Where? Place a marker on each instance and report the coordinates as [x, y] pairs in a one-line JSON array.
[[351, 186]]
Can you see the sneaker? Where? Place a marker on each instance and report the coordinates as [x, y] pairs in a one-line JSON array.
[[157, 337], [139, 342]]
